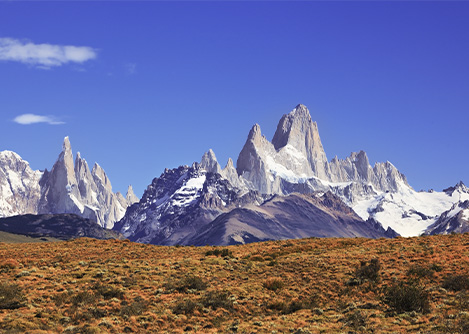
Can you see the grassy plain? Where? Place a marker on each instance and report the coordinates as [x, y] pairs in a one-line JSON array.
[[403, 285]]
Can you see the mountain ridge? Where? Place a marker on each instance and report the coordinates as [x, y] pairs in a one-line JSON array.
[[69, 187]]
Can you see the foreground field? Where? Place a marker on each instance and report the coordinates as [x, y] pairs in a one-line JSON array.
[[415, 285]]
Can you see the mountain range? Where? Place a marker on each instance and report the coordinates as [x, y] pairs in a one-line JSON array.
[[283, 188], [69, 187]]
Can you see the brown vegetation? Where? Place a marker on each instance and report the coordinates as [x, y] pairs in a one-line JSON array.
[[415, 285]]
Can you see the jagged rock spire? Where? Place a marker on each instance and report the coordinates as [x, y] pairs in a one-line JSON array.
[[73, 188], [209, 162], [299, 131], [130, 197]]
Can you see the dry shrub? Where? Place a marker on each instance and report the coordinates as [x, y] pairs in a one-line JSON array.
[[369, 271], [137, 307], [108, 292], [83, 298], [11, 296], [420, 271], [219, 252], [273, 284], [407, 297], [217, 299], [9, 264], [357, 320], [293, 305], [186, 306], [189, 282], [456, 282]]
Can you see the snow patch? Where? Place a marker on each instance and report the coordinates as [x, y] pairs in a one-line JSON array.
[[279, 170], [465, 214], [78, 204], [189, 192], [406, 211]]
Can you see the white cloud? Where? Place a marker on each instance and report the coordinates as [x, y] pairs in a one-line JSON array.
[[43, 55], [27, 119]]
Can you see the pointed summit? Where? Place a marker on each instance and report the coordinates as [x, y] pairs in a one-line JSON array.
[[229, 164], [209, 162], [130, 197], [299, 131], [66, 145]]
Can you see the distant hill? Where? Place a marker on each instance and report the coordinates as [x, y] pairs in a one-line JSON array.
[[60, 226], [12, 238]]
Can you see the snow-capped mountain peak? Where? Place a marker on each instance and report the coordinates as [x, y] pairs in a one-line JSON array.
[[19, 185]]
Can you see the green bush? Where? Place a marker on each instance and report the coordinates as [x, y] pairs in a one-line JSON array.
[[407, 297], [11, 296]]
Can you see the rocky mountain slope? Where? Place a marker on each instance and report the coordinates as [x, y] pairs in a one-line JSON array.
[[456, 219], [178, 204], [293, 163], [19, 185], [235, 204], [70, 187], [193, 206], [292, 216]]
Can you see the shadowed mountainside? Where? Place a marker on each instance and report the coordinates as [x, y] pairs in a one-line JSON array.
[[61, 226]]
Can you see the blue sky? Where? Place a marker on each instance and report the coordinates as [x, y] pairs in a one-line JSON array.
[[140, 86]]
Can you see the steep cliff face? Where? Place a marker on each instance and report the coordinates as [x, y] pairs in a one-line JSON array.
[[175, 206], [200, 204], [72, 188], [299, 135], [295, 161], [19, 185]]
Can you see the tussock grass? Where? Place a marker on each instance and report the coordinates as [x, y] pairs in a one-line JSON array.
[[414, 285]]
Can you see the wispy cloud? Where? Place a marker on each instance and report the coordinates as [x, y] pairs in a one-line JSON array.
[[43, 55], [131, 68], [27, 119]]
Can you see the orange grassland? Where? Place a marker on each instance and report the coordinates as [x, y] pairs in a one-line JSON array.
[[288, 286]]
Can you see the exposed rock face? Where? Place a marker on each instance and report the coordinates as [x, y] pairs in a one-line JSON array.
[[296, 161], [130, 197], [209, 162], [190, 205], [19, 185], [297, 130], [177, 204], [287, 217], [455, 220], [70, 188]]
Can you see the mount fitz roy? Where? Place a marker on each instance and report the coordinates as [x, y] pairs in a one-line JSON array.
[[287, 188], [68, 188], [283, 188]]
